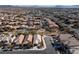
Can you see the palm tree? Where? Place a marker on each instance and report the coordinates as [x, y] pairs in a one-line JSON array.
[[0, 44]]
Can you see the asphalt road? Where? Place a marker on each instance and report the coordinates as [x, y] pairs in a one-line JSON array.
[[48, 50]]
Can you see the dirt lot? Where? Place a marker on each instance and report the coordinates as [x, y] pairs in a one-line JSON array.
[[70, 41]]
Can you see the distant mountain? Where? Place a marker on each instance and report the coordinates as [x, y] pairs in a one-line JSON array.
[[41, 6], [69, 6], [1, 6]]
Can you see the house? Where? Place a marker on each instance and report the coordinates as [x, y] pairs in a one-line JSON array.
[[37, 39], [21, 38], [30, 38]]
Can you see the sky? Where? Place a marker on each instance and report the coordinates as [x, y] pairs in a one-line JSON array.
[[39, 2]]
